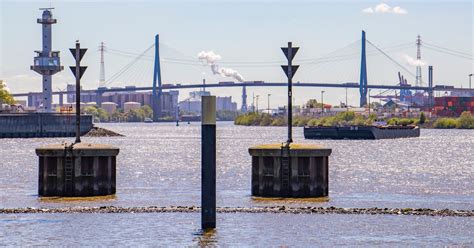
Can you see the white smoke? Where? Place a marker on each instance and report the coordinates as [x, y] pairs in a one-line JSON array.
[[413, 62], [210, 58]]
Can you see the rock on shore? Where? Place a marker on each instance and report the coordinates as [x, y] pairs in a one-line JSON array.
[[275, 209], [101, 132]]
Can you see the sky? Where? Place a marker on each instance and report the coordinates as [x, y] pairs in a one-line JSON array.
[[247, 35]]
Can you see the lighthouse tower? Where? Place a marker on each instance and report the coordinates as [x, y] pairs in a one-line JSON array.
[[47, 62]]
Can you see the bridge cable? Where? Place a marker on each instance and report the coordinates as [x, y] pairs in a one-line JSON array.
[[450, 50], [449, 53], [126, 67], [393, 60]]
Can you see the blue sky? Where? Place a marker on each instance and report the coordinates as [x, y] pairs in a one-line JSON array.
[[247, 35]]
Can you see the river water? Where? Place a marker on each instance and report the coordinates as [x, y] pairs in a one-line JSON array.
[[159, 165]]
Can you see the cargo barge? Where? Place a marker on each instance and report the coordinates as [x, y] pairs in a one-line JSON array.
[[39, 125], [361, 132]]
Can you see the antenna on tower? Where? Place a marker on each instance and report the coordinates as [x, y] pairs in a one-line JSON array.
[[102, 49], [418, 81]]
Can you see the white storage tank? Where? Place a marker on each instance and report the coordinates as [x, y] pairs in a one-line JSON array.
[[110, 107], [130, 105]]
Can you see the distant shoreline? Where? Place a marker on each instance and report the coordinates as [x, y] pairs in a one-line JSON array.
[[465, 121]]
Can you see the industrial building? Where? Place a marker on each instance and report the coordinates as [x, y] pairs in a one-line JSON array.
[[169, 100], [192, 104]]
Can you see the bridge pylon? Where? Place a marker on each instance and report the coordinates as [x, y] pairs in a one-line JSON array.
[[363, 74], [244, 100], [157, 90]]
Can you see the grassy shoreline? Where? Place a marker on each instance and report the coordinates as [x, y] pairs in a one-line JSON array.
[[465, 121]]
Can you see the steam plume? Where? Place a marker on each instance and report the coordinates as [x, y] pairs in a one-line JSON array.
[[210, 58], [413, 62]]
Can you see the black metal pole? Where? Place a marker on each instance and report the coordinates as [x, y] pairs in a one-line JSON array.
[[268, 103], [78, 92], [290, 93], [208, 163], [470, 75], [322, 103], [369, 103]]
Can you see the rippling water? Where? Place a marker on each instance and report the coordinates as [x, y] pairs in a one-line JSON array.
[[159, 164]]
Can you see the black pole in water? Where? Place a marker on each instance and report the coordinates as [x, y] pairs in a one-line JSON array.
[[290, 70], [208, 163], [78, 71]]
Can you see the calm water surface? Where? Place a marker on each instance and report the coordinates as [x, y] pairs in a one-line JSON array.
[[159, 165]]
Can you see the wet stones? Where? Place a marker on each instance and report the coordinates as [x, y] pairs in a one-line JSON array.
[[249, 210]]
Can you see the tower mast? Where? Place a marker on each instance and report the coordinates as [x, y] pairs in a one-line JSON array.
[[102, 65], [418, 58]]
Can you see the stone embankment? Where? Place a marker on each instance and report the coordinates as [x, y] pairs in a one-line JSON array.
[[270, 210], [101, 132]]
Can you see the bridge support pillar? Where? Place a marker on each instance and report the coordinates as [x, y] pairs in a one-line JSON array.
[[430, 86], [363, 74], [157, 91], [100, 92]]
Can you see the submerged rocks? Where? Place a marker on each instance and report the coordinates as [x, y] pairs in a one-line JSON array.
[[272, 209]]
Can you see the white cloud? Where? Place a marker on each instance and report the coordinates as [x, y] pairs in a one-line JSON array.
[[399, 10], [385, 8], [413, 62], [368, 10]]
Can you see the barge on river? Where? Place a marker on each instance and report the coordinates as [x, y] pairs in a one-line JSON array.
[[361, 132]]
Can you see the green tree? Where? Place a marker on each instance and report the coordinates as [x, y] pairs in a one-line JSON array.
[[98, 114], [136, 115], [5, 96], [422, 118], [312, 103], [118, 115], [103, 115], [92, 110], [148, 112]]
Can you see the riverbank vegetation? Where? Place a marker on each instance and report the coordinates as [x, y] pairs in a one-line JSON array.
[[134, 115], [340, 119], [466, 121], [5, 96]]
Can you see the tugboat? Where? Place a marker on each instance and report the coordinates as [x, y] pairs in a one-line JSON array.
[[361, 132]]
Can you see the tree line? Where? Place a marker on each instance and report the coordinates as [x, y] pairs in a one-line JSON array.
[[118, 115]]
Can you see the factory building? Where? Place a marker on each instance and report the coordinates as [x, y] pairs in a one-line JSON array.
[[169, 100], [193, 103]]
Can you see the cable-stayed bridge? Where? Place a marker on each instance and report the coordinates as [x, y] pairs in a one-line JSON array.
[[343, 68]]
